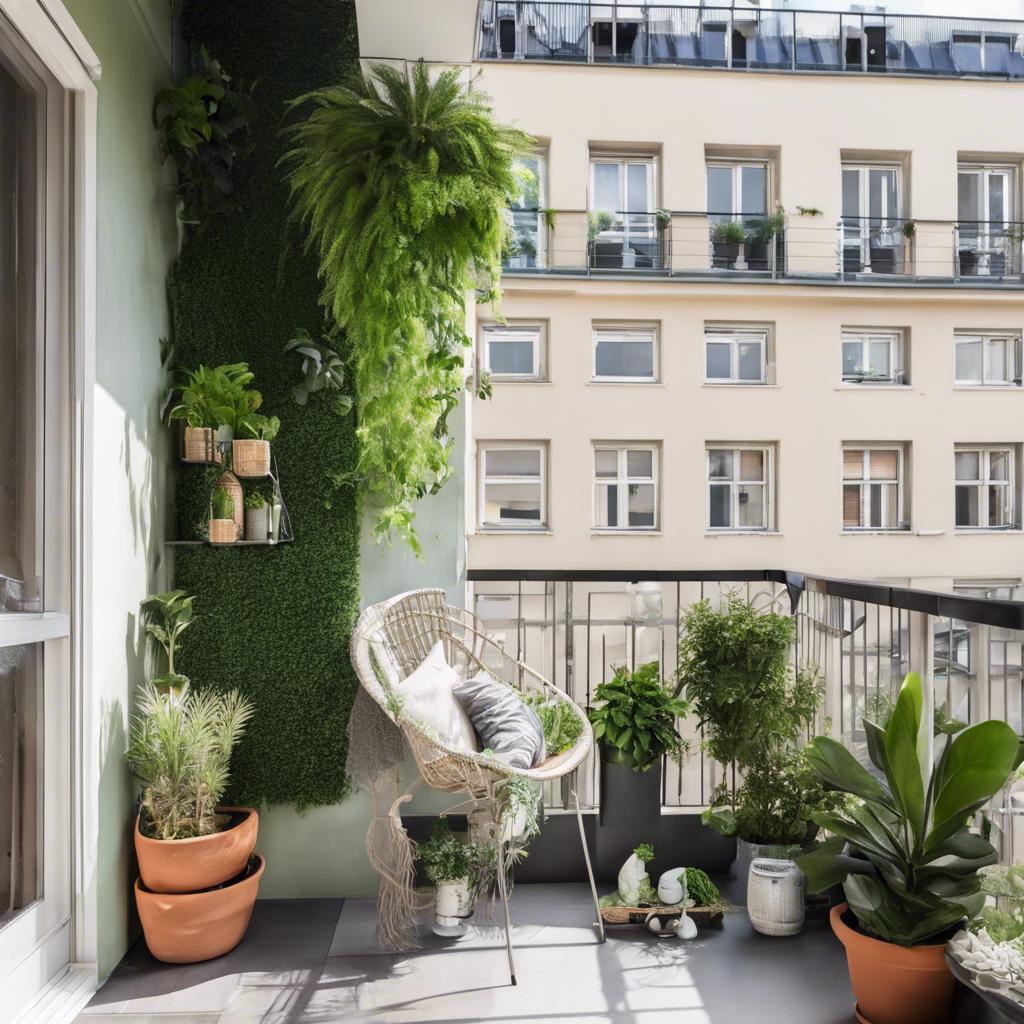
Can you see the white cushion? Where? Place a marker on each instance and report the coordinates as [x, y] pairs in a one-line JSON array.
[[428, 698]]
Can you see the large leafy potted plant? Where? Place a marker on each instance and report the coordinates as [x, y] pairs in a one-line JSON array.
[[250, 455], [904, 853], [213, 403], [634, 720]]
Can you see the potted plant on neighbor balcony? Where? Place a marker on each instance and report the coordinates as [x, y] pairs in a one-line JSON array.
[[904, 853], [761, 237], [455, 868], [726, 238], [634, 720], [212, 402], [250, 456], [198, 877]]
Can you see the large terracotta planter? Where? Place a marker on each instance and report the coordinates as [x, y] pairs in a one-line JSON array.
[[184, 928], [895, 984], [188, 865]]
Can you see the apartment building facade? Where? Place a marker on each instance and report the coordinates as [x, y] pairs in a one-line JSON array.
[[763, 298]]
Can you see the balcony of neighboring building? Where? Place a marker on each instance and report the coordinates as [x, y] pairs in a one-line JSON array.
[[649, 35]]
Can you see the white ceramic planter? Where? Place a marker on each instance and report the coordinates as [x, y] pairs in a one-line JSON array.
[[453, 903]]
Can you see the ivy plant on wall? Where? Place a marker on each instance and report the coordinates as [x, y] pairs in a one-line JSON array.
[[403, 185]]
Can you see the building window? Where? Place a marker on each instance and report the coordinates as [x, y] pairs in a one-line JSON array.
[[526, 243], [873, 496], [988, 360], [872, 219], [739, 487], [625, 487], [985, 487], [736, 356], [874, 357], [514, 351], [622, 226], [737, 190], [513, 486], [625, 354], [988, 243]]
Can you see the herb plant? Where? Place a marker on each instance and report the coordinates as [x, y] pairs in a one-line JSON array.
[[216, 397], [203, 125], [402, 182], [635, 715], [907, 861], [562, 727], [166, 617], [446, 858], [700, 888], [180, 748], [255, 497], [222, 504]]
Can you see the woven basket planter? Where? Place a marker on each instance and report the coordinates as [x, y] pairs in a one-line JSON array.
[[775, 897], [230, 483], [223, 531], [201, 445], [250, 458]]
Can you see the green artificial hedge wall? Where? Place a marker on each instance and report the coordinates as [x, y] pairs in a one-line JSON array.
[[274, 622]]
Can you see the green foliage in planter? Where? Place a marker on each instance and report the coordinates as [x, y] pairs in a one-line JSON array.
[[180, 748], [203, 125], [262, 428], [255, 497], [276, 621], [700, 888], [403, 184], [166, 617], [903, 851], [562, 727], [217, 397], [446, 858], [222, 504], [644, 852], [598, 221], [729, 232], [634, 718]]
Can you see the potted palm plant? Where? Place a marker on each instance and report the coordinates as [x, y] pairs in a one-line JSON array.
[[726, 238], [904, 853], [634, 720], [250, 456], [198, 878]]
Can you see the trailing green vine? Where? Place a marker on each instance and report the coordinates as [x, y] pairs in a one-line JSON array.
[[402, 185]]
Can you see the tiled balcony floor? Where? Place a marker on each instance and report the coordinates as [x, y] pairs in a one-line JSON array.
[[316, 961]]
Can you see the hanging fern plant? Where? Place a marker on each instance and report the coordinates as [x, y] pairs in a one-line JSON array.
[[402, 184]]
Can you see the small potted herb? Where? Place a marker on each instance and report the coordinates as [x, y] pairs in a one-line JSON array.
[[634, 721], [726, 238], [223, 528], [257, 516], [250, 456], [760, 238], [454, 868], [166, 616]]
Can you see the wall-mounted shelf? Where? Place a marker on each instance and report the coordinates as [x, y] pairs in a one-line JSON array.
[[236, 544]]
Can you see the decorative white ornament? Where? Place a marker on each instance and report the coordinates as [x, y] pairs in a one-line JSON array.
[[686, 927], [631, 874], [670, 891]]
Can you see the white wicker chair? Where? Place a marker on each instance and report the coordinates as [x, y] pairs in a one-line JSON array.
[[391, 639]]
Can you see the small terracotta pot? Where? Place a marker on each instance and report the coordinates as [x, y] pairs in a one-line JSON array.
[[188, 865], [185, 928], [895, 984]]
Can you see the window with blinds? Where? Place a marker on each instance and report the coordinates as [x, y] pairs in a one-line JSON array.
[[873, 496], [739, 482]]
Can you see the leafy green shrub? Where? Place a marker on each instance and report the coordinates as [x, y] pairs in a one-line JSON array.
[[729, 232], [217, 397], [398, 249], [634, 717], [644, 852], [263, 428], [255, 497], [906, 858], [322, 367], [700, 888], [562, 728], [222, 505], [180, 748], [166, 617], [446, 858], [203, 125]]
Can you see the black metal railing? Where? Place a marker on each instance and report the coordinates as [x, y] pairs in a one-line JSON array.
[[578, 626], [723, 37]]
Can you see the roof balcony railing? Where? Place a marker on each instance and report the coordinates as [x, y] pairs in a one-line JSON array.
[[768, 40], [725, 246]]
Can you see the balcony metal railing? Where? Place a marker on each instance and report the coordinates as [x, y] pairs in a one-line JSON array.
[[578, 626], [723, 37], [703, 244]]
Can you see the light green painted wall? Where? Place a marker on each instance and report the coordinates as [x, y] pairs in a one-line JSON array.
[[136, 240]]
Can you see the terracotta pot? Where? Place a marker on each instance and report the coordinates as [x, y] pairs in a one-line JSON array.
[[895, 984], [188, 865], [185, 928]]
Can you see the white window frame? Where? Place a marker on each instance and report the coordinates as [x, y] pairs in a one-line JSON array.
[[623, 481], [985, 339], [630, 334], [736, 168], [985, 453], [541, 157], [736, 336], [896, 339], [767, 484], [515, 330], [511, 525], [624, 161], [866, 482], [35, 945], [863, 238]]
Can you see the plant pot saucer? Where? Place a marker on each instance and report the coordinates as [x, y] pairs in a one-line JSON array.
[[860, 1016]]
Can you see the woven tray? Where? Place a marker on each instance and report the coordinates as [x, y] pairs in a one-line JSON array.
[[639, 915]]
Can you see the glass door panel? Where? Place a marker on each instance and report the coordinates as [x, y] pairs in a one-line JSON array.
[[871, 219], [985, 212]]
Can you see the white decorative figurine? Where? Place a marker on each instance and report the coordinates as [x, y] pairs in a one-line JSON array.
[[670, 889]]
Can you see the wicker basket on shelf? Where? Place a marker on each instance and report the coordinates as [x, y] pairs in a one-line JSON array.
[[201, 445], [250, 457], [223, 531], [229, 482]]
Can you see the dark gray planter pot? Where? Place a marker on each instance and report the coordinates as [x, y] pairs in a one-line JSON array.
[[629, 799], [725, 255]]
